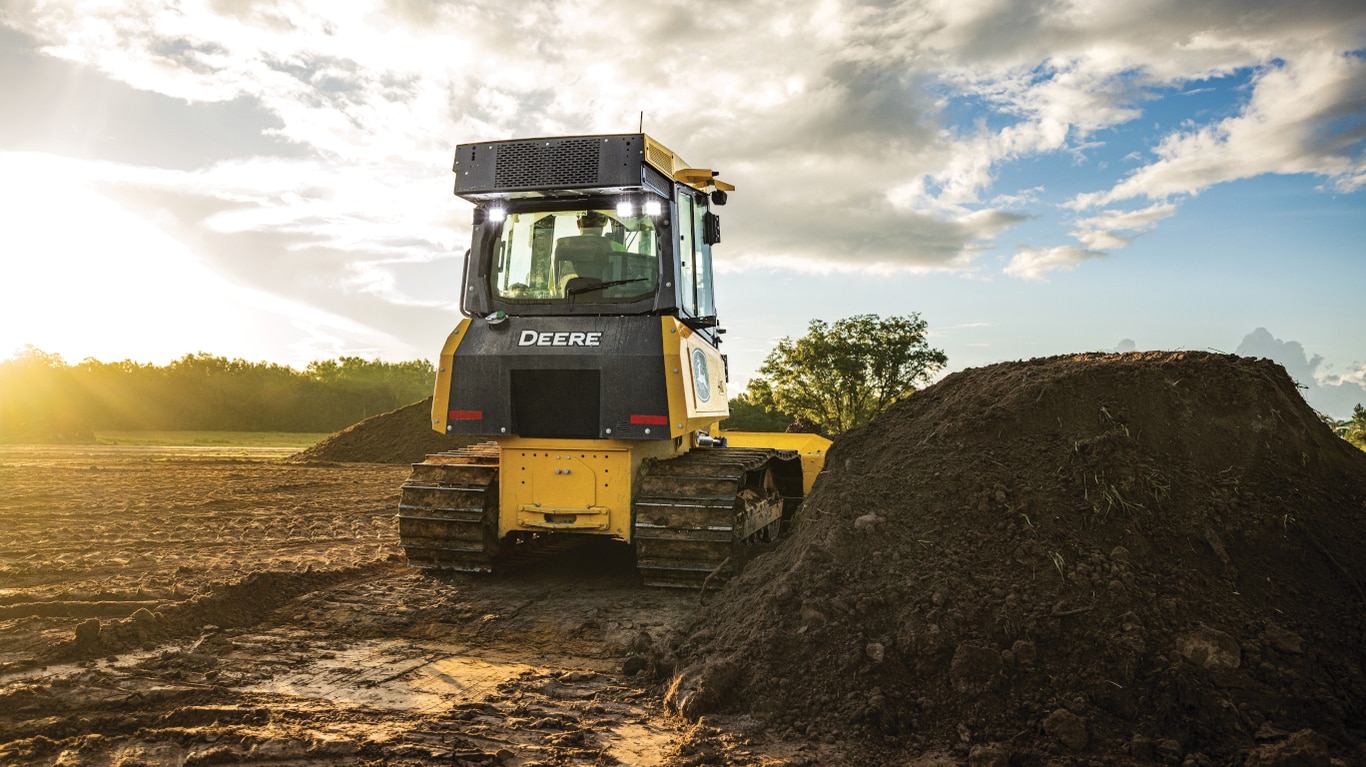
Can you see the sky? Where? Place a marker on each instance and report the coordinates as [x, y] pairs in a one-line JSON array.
[[271, 180]]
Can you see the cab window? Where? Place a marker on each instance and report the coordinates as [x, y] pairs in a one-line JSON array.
[[587, 255], [687, 254]]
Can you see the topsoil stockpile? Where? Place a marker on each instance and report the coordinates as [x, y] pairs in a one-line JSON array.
[[1151, 558], [400, 436]]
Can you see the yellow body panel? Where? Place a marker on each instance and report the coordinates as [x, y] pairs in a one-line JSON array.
[[441, 396], [564, 485], [812, 448], [663, 157], [674, 167], [571, 485], [696, 402]]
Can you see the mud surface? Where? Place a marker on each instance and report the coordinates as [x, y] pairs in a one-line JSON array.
[[168, 607], [1099, 559]]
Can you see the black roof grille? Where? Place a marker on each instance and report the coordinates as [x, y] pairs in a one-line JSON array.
[[569, 162], [555, 167]]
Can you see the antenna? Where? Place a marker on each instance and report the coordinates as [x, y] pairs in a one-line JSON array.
[[642, 121]]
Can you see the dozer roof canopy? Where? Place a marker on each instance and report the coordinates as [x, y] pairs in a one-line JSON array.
[[573, 165]]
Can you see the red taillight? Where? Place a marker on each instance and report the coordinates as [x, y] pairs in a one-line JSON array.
[[649, 420], [466, 415]]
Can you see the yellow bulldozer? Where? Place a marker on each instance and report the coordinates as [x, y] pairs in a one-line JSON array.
[[589, 359]]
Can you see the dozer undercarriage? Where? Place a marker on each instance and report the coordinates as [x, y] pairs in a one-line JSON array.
[[693, 516]]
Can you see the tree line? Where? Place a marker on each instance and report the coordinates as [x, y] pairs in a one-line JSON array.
[[837, 377], [42, 396]]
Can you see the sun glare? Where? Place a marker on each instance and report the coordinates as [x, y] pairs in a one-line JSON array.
[[86, 278]]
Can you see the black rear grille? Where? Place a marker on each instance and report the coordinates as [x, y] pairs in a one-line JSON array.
[[556, 404], [564, 162]]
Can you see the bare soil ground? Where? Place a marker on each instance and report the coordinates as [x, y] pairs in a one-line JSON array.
[[194, 606], [1082, 561]]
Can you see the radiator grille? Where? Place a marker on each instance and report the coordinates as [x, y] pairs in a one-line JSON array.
[[560, 404], [568, 162]]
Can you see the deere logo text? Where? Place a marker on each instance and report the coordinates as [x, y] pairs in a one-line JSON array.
[[562, 338]]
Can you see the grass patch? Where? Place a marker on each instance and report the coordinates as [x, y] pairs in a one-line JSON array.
[[210, 438]]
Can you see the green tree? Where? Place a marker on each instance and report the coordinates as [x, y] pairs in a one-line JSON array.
[[839, 376], [1356, 427], [359, 388], [749, 412]]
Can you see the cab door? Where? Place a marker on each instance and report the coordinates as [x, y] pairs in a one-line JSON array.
[[696, 299]]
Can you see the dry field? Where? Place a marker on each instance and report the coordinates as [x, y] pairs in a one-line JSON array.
[[205, 606]]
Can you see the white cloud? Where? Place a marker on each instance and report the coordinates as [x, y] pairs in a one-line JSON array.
[[361, 84], [1071, 72], [1101, 239], [1034, 263], [1103, 230], [1304, 116], [1130, 220], [839, 127], [1334, 395], [1356, 376]]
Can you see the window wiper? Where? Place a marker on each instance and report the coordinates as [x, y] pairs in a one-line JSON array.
[[600, 285]]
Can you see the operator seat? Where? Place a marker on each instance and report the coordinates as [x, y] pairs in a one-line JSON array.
[[588, 254]]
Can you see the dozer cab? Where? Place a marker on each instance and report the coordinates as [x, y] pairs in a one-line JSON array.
[[589, 359]]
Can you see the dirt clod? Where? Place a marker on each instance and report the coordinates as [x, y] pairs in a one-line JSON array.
[[974, 670], [988, 755], [88, 632], [1210, 648], [1067, 727], [701, 688]]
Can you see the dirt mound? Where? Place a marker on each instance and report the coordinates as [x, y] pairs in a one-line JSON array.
[[400, 436], [1153, 557]]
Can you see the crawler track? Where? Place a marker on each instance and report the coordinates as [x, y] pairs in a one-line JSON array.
[[448, 512], [693, 514]]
